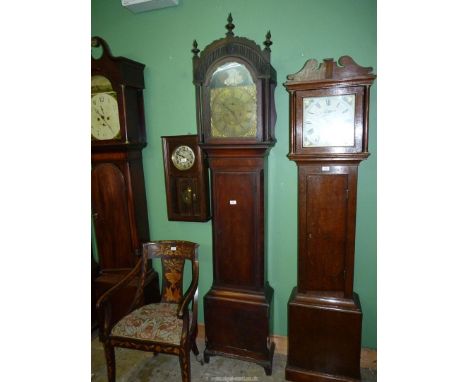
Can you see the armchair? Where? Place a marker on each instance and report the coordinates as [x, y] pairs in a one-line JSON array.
[[167, 327]]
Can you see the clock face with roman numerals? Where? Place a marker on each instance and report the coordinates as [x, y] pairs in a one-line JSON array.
[[328, 121]]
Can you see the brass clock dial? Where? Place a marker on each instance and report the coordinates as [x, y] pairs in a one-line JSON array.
[[328, 121], [183, 157], [233, 102], [105, 122]]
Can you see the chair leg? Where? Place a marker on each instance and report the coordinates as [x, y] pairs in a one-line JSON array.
[[184, 360], [110, 361]]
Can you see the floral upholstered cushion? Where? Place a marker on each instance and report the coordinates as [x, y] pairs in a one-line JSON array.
[[152, 322]]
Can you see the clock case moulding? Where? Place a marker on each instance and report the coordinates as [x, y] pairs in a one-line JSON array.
[[238, 307], [324, 313]]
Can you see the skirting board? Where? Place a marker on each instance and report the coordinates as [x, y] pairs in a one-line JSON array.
[[368, 356]]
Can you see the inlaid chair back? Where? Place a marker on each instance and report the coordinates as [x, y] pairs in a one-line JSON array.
[[173, 254]]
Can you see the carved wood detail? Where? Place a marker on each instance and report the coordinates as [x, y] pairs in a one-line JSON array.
[[345, 68]]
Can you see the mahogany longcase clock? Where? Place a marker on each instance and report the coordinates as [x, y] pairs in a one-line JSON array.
[[329, 107], [118, 196], [234, 84]]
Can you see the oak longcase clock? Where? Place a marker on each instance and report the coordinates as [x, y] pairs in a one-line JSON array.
[[329, 108], [118, 196], [234, 84]]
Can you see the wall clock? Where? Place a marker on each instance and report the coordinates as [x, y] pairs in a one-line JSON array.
[[186, 176], [118, 196], [234, 84], [329, 108]]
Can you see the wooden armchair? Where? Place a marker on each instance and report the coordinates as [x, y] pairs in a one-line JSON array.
[[167, 327]]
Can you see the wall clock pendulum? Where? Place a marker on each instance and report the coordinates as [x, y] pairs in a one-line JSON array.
[[329, 109], [117, 180], [234, 83]]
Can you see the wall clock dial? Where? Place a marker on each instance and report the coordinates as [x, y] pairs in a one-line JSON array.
[[183, 157]]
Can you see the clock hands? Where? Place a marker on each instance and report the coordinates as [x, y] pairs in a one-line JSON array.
[[103, 118]]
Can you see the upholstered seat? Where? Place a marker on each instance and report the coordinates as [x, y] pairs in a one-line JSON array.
[[152, 322]]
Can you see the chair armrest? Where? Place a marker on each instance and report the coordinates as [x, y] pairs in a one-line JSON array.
[[103, 305], [188, 296]]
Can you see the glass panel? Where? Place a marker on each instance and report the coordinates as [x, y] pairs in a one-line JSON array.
[[233, 102], [328, 121]]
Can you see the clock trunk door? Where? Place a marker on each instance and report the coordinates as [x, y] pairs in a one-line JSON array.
[[235, 228], [323, 265], [111, 216]]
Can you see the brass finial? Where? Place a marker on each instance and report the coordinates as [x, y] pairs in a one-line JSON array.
[[230, 26], [195, 49]]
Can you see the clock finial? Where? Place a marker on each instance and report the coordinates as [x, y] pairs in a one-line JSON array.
[[268, 41], [230, 26], [195, 49]]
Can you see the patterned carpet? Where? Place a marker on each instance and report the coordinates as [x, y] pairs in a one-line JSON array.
[[137, 366]]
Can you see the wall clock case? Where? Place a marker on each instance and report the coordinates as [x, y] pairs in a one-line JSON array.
[[117, 180], [234, 83], [329, 107], [186, 176]]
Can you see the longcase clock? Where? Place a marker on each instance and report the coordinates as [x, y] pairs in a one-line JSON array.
[[118, 196], [234, 83], [329, 108]]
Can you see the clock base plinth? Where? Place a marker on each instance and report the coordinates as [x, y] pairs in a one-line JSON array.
[[237, 325], [324, 334]]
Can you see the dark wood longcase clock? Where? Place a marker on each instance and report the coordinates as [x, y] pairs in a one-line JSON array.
[[329, 107], [118, 196], [234, 84]]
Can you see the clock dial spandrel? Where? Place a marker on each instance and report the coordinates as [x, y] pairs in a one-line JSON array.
[[233, 102], [328, 121]]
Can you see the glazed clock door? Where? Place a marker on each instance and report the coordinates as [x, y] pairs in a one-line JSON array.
[[111, 216]]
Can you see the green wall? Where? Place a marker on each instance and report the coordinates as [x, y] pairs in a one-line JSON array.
[[300, 29]]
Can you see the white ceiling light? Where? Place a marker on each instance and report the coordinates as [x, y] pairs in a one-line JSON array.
[[138, 6]]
